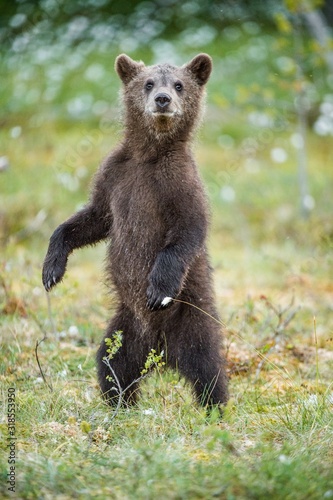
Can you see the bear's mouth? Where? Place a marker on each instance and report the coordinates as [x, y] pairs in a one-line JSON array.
[[162, 112]]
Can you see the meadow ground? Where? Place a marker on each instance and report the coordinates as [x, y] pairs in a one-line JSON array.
[[273, 283]]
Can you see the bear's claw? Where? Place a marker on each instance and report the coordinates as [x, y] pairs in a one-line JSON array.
[[166, 301], [53, 272], [157, 302], [53, 281]]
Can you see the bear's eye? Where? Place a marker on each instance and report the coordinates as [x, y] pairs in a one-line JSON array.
[[149, 85], [178, 86]]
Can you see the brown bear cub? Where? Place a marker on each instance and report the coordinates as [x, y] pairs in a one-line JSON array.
[[149, 202]]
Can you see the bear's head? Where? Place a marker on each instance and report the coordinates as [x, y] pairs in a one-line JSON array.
[[163, 100]]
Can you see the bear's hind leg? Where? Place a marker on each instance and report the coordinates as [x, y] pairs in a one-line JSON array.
[[194, 348], [126, 363], [206, 372]]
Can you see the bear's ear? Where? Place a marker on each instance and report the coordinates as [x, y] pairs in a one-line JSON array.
[[126, 68], [201, 67]]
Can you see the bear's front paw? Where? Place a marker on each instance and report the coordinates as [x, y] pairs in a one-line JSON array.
[[53, 271], [157, 300]]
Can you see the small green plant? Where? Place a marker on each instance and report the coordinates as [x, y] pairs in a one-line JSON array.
[[113, 344], [153, 360]]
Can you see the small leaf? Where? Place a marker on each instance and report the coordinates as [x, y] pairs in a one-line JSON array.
[[85, 427]]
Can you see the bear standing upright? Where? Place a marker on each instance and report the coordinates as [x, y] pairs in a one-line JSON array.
[[148, 200]]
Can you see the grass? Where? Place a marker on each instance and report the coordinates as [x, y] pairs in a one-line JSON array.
[[275, 439], [272, 277]]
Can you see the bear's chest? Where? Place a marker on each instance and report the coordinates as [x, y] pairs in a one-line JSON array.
[[139, 206]]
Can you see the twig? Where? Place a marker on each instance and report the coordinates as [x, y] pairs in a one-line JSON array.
[[286, 322], [38, 342], [260, 365], [279, 312], [119, 389], [49, 310], [280, 327]]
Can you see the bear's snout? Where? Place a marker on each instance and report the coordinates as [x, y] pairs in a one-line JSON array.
[[162, 99]]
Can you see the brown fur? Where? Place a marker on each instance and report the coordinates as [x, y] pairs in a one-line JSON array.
[[148, 200]]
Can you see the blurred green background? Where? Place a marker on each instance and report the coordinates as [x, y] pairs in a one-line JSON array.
[[265, 148]]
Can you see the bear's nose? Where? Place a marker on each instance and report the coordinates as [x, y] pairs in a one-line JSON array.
[[162, 99]]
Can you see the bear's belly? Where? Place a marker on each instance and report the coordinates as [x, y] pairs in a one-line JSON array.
[[138, 233], [135, 243]]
